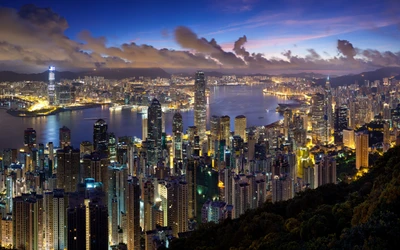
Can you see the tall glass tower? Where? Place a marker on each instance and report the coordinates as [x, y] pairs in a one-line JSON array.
[[200, 104], [154, 122], [51, 86]]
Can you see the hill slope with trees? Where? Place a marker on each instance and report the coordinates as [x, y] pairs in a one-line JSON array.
[[362, 215]]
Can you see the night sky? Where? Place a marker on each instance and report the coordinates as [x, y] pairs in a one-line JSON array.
[[333, 37]]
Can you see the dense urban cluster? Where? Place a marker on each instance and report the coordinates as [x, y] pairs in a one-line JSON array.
[[128, 193]]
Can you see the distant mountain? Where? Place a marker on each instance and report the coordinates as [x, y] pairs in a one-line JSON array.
[[378, 74], [305, 75], [9, 76]]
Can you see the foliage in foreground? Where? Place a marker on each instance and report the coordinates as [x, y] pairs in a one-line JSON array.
[[362, 215]]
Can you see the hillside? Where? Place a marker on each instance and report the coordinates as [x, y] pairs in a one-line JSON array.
[[378, 74], [362, 215], [9, 76]]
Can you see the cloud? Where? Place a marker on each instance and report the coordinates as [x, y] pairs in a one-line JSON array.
[[33, 38], [346, 49]]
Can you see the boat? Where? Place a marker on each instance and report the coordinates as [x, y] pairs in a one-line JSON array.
[[267, 110]]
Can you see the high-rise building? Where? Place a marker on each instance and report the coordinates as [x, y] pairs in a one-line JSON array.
[[177, 133], [226, 129], [362, 145], [6, 231], [133, 213], [55, 206], [281, 188], [328, 109], [112, 147], [100, 142], [144, 126], [65, 137], [51, 89], [200, 104], [28, 222], [30, 137], [341, 123], [325, 171], [240, 126], [68, 168], [87, 223], [154, 123], [319, 123], [349, 138]]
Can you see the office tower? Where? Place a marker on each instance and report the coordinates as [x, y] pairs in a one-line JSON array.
[[240, 126], [287, 115], [349, 138], [51, 86], [200, 104], [112, 147], [226, 130], [177, 198], [362, 144], [86, 148], [328, 109], [68, 168], [319, 124], [55, 207], [251, 145], [100, 140], [177, 133], [133, 212], [281, 188], [191, 180], [144, 126], [65, 137], [154, 123], [325, 171], [148, 203], [30, 138], [7, 231], [341, 123], [117, 181], [215, 133], [28, 222]]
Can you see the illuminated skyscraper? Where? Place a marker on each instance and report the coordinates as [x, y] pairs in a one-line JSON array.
[[133, 213], [226, 129], [200, 104], [68, 167], [240, 126], [341, 123], [51, 86], [28, 221], [328, 108], [177, 132], [100, 141], [319, 123], [362, 144], [154, 123], [65, 137], [55, 205]]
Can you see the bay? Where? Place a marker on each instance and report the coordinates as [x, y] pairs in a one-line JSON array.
[[223, 100]]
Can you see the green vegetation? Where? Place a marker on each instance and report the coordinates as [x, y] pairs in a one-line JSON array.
[[364, 214]]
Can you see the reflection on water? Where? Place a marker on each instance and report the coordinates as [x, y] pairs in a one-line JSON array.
[[227, 100]]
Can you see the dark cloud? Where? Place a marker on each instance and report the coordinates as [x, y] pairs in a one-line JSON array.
[[346, 48], [34, 38]]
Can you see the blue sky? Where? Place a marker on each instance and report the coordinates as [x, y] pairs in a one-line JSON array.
[[271, 27]]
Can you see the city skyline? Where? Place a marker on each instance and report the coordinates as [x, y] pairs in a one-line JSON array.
[[230, 36]]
